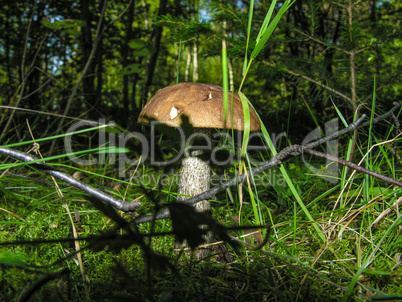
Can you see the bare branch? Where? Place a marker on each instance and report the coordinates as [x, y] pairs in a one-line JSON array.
[[301, 149], [294, 73], [117, 203]]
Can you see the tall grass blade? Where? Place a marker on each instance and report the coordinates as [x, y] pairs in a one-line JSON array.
[[250, 20], [225, 81], [270, 29], [266, 20], [246, 130]]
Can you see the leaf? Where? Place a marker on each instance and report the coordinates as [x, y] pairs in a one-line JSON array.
[[142, 52], [71, 23], [225, 82], [250, 20], [67, 24], [113, 150], [73, 32], [52, 25], [136, 43], [266, 20], [131, 69]]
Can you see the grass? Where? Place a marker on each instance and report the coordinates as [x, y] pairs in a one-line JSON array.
[[359, 258]]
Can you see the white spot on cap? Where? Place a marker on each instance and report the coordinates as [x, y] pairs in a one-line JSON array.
[[173, 113], [210, 96]]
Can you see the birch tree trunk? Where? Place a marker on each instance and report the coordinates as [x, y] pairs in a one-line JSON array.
[[195, 62]]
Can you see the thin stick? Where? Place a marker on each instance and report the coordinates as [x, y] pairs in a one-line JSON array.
[[99, 195]]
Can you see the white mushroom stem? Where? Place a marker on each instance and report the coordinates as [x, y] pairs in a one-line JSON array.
[[195, 179]]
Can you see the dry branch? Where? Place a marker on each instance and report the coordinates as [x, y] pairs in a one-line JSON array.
[[99, 195]]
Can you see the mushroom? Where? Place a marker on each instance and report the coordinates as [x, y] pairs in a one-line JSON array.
[[203, 105]]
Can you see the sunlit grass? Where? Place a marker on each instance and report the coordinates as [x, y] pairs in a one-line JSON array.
[[355, 250]]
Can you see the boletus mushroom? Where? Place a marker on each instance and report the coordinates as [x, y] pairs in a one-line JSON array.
[[203, 105]]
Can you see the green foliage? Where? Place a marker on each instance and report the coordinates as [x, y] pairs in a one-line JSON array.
[[69, 27]]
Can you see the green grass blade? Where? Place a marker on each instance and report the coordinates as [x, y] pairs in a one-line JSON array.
[[266, 20], [225, 81], [270, 29], [246, 131], [340, 115], [265, 32], [250, 20]]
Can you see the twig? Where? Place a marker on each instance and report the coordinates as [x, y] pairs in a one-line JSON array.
[[301, 149], [117, 203], [387, 211], [294, 73]]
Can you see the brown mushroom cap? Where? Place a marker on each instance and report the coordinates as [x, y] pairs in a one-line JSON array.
[[202, 103]]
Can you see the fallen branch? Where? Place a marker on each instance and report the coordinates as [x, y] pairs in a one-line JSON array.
[[99, 195]]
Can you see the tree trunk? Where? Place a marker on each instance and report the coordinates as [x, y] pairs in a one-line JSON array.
[[195, 62], [188, 64], [124, 52], [99, 73], [86, 46], [154, 56]]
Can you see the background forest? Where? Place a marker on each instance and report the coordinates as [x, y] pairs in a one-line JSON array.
[[68, 61]]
